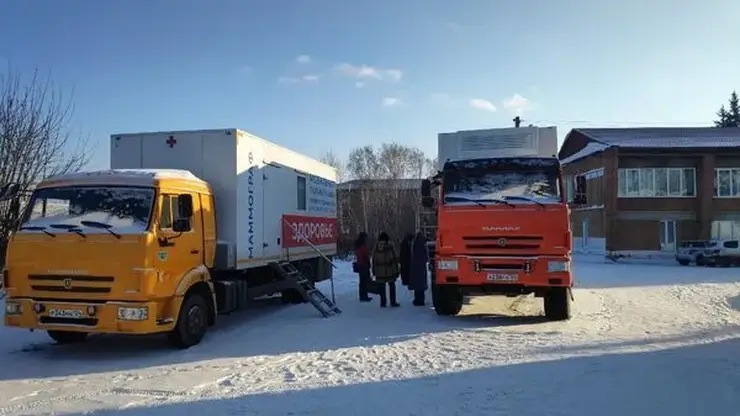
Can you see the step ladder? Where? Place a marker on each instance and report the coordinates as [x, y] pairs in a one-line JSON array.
[[308, 291], [427, 224]]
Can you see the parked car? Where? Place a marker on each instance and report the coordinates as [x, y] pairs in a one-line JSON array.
[[722, 253], [689, 252]]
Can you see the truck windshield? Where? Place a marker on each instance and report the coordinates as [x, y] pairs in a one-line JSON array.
[[125, 209], [514, 186]]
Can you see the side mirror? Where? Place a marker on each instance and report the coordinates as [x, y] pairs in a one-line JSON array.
[[426, 188], [181, 225], [427, 202], [185, 205]]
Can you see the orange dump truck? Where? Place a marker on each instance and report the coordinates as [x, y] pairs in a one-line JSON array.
[[498, 220]]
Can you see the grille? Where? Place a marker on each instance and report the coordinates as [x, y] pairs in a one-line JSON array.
[[69, 283], [502, 243]]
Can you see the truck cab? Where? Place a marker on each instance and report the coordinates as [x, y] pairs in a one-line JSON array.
[[500, 227], [119, 251]]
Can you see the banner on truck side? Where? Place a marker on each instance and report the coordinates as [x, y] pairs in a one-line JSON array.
[[318, 230]]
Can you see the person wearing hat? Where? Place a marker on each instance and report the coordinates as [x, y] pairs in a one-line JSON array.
[[362, 267], [385, 269]]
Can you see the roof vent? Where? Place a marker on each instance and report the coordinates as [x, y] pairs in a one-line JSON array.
[[515, 143]]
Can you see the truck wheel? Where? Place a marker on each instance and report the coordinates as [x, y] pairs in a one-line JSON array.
[[67, 337], [192, 322], [448, 301], [557, 304]]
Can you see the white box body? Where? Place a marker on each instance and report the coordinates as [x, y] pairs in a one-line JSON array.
[[254, 182], [492, 143]]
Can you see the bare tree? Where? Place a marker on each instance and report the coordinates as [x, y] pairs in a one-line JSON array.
[[431, 167], [417, 162], [333, 160], [34, 140], [382, 197], [364, 163], [395, 160]]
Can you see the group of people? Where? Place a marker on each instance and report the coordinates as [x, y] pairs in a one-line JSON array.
[[378, 272]]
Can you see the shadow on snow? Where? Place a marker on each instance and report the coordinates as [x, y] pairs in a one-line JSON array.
[[690, 380], [267, 329]]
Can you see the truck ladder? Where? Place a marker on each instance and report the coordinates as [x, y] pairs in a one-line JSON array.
[[316, 249], [308, 291], [427, 221]]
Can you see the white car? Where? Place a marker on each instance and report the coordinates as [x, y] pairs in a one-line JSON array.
[[692, 251], [722, 253]]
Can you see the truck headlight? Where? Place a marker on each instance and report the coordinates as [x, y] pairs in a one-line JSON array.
[[447, 265], [12, 308], [558, 266], [133, 314]]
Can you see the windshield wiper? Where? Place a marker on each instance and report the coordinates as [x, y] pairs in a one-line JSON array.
[[463, 199], [69, 227], [498, 201], [524, 198], [38, 228], [106, 227], [477, 201]]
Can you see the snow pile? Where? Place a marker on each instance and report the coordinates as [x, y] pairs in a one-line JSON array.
[[651, 339]]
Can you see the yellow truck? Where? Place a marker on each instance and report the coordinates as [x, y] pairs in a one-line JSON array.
[[186, 225]]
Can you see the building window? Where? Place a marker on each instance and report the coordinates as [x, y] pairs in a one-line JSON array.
[[301, 193], [569, 188], [725, 230], [727, 182], [657, 183]]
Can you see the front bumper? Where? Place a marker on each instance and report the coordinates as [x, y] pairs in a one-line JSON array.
[[108, 317], [538, 271]]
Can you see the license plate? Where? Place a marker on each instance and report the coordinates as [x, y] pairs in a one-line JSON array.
[[66, 313], [502, 277]]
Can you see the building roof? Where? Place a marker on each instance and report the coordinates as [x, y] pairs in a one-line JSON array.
[[654, 138], [381, 183]]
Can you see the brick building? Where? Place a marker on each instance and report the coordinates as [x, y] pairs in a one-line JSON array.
[[649, 188]]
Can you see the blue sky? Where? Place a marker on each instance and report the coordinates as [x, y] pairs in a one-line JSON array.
[[372, 72]]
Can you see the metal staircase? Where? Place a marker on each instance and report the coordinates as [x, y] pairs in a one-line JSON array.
[[427, 223], [306, 288]]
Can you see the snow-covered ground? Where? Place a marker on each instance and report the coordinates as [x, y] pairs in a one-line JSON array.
[[645, 340]]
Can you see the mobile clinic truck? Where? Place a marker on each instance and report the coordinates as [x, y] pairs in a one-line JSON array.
[[186, 225], [498, 219]]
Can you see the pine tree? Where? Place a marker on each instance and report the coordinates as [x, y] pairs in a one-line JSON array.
[[734, 111], [723, 118], [729, 117]]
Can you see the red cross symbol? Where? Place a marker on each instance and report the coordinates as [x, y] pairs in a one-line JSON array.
[[171, 142]]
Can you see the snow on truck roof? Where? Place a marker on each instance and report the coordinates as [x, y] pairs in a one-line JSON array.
[[128, 176]]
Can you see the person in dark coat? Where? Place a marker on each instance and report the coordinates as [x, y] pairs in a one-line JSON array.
[[362, 266], [418, 281], [406, 258], [385, 269]]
